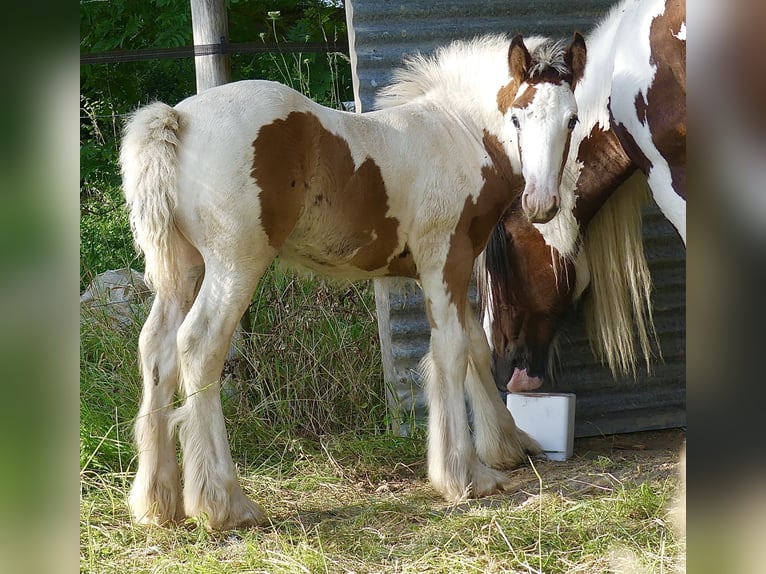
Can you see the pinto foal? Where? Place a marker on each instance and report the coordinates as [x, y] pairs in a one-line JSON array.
[[223, 183]]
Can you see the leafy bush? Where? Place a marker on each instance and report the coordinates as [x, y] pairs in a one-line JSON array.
[[321, 377], [110, 91]]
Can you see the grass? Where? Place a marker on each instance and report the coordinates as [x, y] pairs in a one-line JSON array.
[[307, 423]]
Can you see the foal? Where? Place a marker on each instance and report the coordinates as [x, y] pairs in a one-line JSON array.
[[231, 178]]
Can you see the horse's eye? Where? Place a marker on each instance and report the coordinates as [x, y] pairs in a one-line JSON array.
[[516, 122], [573, 122]]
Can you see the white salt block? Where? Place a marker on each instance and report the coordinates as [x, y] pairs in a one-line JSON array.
[[548, 418]]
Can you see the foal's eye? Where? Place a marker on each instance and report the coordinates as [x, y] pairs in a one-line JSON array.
[[573, 122], [516, 122]]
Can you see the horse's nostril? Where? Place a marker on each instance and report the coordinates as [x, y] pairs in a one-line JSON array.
[[555, 202]]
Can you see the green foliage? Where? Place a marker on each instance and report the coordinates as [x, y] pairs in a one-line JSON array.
[[110, 91], [109, 392], [310, 357]]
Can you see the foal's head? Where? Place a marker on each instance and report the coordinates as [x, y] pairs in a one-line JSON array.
[[543, 112]]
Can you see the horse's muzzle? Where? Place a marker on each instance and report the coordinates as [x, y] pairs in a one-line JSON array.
[[539, 208]]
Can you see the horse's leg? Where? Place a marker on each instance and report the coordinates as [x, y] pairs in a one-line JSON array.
[[155, 496], [498, 442], [453, 466], [210, 478]]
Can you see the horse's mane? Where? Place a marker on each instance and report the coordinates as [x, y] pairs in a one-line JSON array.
[[494, 277], [478, 66], [619, 312]]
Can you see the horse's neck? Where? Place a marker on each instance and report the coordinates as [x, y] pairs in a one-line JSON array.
[[605, 166], [595, 87], [592, 93]]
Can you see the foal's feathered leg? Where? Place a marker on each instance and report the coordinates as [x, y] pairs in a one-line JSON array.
[[210, 478], [499, 442], [155, 497], [453, 465]]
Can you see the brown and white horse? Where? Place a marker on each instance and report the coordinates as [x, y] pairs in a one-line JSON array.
[[223, 183], [526, 287], [636, 81], [529, 287]]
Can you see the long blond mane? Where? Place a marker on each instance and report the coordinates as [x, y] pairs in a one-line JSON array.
[[619, 312]]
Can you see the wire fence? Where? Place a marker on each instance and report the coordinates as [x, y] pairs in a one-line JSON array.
[[223, 47]]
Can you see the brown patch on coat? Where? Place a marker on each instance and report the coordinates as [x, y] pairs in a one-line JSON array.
[[628, 143], [550, 75], [605, 166], [403, 265], [666, 97], [641, 107], [477, 220], [506, 95], [525, 98], [307, 173]]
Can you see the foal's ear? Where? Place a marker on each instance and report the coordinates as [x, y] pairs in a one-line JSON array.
[[575, 58], [519, 59]]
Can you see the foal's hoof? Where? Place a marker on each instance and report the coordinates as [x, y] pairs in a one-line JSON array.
[[489, 481], [244, 514], [221, 510], [478, 482], [155, 504]]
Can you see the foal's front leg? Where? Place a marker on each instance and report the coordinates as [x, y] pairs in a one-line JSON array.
[[499, 442], [453, 465]]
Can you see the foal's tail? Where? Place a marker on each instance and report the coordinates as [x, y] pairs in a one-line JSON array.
[[619, 310], [148, 160]]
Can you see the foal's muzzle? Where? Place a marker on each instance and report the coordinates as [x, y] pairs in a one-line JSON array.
[[539, 207]]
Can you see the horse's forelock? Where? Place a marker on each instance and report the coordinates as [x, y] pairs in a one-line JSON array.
[[549, 55]]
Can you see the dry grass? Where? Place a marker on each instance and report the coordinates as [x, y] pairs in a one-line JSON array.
[[341, 493], [362, 504]]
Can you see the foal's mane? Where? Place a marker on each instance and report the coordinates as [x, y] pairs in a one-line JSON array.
[[469, 69]]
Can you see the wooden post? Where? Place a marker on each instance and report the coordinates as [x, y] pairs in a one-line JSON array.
[[210, 25]]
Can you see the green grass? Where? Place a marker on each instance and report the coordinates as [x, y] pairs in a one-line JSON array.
[[307, 423]]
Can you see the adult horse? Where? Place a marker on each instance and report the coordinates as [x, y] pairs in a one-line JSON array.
[[526, 287], [533, 275], [231, 178], [635, 82]]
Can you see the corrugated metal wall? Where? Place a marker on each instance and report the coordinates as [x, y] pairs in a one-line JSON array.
[[383, 30], [380, 33]]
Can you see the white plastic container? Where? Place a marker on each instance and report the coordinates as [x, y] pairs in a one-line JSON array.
[[548, 418]]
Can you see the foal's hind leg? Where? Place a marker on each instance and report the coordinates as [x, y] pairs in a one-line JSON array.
[[453, 465], [155, 496], [210, 479], [499, 443]]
